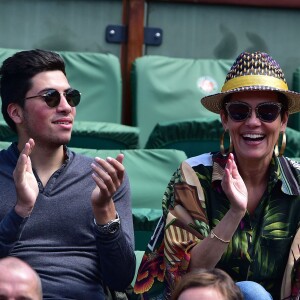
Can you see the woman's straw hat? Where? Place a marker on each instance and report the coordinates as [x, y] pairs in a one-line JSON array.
[[256, 71]]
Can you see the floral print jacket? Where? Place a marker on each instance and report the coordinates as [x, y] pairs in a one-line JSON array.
[[262, 247]]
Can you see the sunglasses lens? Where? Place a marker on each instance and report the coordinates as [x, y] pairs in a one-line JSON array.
[[52, 98], [238, 111], [268, 112], [73, 97]]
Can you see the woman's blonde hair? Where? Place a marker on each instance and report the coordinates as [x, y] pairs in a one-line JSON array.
[[215, 278]]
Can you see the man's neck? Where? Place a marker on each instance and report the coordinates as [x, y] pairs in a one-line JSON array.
[[46, 160]]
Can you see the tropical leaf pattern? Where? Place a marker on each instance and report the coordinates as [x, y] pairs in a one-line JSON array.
[[260, 247]]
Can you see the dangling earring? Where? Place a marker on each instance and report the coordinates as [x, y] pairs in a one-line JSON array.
[[283, 145], [222, 149]]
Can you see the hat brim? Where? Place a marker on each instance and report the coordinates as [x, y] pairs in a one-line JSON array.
[[214, 103]]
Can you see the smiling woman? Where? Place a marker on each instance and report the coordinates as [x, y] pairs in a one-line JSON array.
[[254, 126], [243, 202]]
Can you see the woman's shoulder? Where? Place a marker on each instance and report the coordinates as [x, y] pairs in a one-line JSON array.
[[202, 159], [289, 170], [294, 163]]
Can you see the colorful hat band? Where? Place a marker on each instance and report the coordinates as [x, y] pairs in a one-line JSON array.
[[254, 80]]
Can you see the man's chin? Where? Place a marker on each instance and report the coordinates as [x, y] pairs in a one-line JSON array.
[[62, 142]]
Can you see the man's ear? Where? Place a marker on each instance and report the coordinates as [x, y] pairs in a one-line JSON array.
[[15, 112]]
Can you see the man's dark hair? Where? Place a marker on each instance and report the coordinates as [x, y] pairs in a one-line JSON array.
[[17, 71]]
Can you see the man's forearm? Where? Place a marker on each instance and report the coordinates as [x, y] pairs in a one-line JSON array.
[[10, 227]]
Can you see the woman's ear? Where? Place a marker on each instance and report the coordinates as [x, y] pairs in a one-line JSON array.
[[224, 119], [15, 112], [284, 121]]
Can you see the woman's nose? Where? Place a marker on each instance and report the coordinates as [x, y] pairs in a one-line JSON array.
[[253, 119]]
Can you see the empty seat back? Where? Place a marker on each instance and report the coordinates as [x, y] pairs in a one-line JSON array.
[[294, 119], [170, 89], [193, 136]]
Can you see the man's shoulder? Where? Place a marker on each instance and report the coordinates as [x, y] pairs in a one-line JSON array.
[[9, 156], [73, 155]]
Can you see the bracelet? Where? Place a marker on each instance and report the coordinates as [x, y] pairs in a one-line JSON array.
[[212, 235]]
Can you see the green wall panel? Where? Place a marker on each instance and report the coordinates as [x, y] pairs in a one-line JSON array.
[[61, 25], [216, 31]]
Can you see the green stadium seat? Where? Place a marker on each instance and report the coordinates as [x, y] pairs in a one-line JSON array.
[[7, 134], [101, 135], [294, 119], [98, 77], [292, 143], [169, 89], [94, 135], [193, 136], [4, 145], [5, 53]]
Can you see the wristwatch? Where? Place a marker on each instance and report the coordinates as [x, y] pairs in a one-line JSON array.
[[110, 227]]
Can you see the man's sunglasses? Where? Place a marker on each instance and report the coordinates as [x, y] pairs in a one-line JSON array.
[[52, 97], [266, 112]]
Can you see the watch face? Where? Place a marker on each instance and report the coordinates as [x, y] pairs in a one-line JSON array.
[[113, 227]]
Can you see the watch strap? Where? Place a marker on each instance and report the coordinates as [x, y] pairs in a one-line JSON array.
[[110, 227]]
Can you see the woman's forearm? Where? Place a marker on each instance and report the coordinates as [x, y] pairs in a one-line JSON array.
[[209, 251]]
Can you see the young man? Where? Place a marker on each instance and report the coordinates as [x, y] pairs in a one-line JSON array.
[[18, 280], [66, 215]]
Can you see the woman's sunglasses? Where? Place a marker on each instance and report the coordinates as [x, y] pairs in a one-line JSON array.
[[266, 112], [52, 97]]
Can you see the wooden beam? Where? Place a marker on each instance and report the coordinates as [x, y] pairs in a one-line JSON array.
[[133, 18]]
